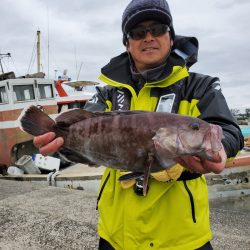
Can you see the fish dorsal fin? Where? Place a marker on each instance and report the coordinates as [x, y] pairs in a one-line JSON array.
[[76, 115], [121, 112], [73, 116]]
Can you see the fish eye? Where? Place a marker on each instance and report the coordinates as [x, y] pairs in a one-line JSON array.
[[195, 126]]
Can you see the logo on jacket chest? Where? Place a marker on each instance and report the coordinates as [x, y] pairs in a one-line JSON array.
[[120, 99]]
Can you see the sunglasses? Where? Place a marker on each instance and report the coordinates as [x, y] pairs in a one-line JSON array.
[[155, 30]]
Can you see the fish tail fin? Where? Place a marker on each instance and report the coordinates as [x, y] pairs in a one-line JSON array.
[[35, 122]]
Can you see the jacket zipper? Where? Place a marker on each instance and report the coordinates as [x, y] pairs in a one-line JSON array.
[[101, 190], [191, 200]]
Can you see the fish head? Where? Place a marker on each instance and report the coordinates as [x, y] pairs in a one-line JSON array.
[[189, 137], [200, 138]]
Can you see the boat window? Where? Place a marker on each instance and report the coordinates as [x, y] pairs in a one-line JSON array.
[[3, 95], [45, 91], [23, 93]]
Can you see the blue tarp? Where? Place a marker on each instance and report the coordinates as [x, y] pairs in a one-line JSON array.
[[245, 131]]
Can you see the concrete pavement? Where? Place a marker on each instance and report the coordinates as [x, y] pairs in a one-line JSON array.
[[38, 217]]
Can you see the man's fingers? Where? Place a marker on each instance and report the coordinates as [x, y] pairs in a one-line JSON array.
[[42, 140], [215, 167], [47, 143], [52, 147], [199, 165], [193, 164]]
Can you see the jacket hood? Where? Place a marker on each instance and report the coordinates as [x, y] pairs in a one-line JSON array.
[[187, 49], [184, 53]]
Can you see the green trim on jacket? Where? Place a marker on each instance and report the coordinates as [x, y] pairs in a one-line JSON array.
[[141, 101]]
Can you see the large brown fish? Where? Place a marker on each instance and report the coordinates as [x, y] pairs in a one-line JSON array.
[[137, 141]]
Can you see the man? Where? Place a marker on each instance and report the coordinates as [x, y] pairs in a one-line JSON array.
[[153, 75]]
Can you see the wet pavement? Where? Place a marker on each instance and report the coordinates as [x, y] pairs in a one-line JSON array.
[[39, 217]]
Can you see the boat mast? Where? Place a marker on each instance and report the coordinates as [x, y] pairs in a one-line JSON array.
[[2, 56], [38, 50]]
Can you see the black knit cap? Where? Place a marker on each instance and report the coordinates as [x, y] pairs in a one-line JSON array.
[[141, 10]]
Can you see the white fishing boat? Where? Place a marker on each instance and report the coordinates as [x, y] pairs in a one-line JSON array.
[[18, 93]]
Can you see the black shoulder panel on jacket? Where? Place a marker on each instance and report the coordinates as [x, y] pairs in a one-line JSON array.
[[214, 109], [196, 85], [98, 101], [118, 69]]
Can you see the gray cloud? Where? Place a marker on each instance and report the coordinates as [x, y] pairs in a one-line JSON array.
[[231, 4], [88, 33]]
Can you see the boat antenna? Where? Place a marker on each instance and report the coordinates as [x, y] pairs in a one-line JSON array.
[[75, 60], [32, 58], [48, 35], [1, 57], [79, 71]]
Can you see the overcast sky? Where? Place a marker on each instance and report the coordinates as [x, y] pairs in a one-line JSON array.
[[82, 36]]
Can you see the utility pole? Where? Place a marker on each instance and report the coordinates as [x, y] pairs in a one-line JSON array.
[[38, 50], [1, 57]]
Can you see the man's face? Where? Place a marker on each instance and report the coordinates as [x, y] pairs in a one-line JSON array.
[[151, 51]]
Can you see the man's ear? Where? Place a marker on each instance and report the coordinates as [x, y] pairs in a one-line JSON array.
[[171, 42], [127, 45]]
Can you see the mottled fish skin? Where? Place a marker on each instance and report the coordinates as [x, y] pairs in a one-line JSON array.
[[124, 139]]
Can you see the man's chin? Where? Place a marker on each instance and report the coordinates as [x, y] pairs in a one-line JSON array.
[[152, 64]]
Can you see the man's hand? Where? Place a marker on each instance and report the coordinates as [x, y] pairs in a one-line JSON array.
[[47, 143], [197, 165]]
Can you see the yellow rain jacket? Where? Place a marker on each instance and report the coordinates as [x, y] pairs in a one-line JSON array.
[[174, 215]]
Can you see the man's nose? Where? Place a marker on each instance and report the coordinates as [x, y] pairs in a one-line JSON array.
[[148, 37]]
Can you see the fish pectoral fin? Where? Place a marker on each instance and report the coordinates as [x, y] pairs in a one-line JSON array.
[[75, 157], [139, 175], [149, 163]]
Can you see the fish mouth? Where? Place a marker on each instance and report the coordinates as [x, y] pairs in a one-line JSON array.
[[211, 144]]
